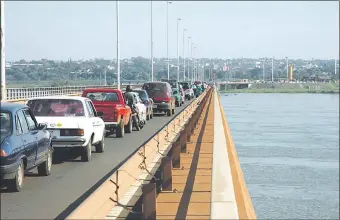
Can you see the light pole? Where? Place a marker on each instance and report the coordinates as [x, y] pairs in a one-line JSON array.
[[335, 66], [273, 69], [192, 61], [151, 44], [184, 30], [167, 37], [189, 40], [178, 20], [2, 52], [193, 64], [287, 68], [264, 59], [118, 58]]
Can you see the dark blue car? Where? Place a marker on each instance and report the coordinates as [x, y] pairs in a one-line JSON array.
[[25, 144]]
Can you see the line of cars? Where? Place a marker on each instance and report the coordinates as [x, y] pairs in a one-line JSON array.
[[31, 133]]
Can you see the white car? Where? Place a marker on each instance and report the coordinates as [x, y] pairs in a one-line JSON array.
[[141, 108], [73, 122]]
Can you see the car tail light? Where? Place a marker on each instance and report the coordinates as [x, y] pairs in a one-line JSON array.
[[72, 132]]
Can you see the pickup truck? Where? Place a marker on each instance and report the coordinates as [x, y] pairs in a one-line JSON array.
[[117, 115]]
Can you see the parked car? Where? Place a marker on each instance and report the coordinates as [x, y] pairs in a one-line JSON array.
[[141, 108], [148, 102], [73, 122], [178, 97], [117, 114], [188, 90], [161, 94], [25, 144]]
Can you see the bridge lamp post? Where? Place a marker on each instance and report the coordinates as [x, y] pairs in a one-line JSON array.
[[151, 44], [263, 69], [194, 65], [118, 58], [167, 36], [184, 30], [178, 20], [189, 40], [287, 68], [2, 53], [273, 69]]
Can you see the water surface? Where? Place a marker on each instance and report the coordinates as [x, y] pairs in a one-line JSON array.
[[288, 146]]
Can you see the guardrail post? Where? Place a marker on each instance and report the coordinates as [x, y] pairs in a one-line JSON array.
[[176, 154], [166, 174], [183, 140], [149, 201]]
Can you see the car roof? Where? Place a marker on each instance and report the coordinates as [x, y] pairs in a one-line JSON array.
[[158, 82], [102, 90], [11, 107], [79, 98]]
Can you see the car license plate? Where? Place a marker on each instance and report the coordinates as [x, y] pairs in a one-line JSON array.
[[154, 106], [54, 133]]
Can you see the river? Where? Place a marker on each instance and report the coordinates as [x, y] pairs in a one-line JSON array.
[[288, 146]]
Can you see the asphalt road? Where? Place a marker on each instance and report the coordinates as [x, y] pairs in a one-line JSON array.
[[52, 196]]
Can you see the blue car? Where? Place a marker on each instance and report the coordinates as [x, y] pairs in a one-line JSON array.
[[25, 144]]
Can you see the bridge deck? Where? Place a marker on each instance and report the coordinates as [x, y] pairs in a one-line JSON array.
[[192, 183]]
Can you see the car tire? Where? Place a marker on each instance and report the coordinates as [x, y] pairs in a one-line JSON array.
[[87, 152], [148, 117], [177, 104], [173, 111], [128, 128], [120, 130], [182, 101], [151, 115], [44, 169], [16, 184], [168, 113], [101, 145]]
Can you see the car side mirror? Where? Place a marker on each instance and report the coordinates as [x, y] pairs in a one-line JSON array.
[[42, 126]]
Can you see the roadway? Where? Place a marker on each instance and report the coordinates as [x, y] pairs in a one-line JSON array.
[[55, 195]]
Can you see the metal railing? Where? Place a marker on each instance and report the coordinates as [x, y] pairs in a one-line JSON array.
[[17, 94]]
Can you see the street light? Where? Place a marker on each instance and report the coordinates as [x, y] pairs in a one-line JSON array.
[[167, 36], [287, 69], [273, 69], [189, 40], [118, 58], [193, 64], [264, 60], [151, 44], [178, 20], [184, 30], [2, 52]]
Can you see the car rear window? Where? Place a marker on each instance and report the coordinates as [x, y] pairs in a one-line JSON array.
[[142, 95], [155, 89], [56, 107], [185, 85], [6, 124], [103, 96]]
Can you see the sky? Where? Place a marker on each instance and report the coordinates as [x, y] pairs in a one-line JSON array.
[[219, 29]]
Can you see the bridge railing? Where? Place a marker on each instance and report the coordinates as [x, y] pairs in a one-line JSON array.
[[17, 94]]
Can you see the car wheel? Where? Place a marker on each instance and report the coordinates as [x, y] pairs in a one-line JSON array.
[[177, 104], [100, 146], [173, 111], [182, 101], [128, 128], [44, 169], [16, 183], [120, 130], [169, 112], [136, 123], [87, 152], [148, 117]]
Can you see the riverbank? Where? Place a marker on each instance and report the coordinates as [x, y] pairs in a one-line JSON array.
[[281, 90]]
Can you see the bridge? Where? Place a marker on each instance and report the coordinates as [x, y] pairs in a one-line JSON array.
[[179, 167]]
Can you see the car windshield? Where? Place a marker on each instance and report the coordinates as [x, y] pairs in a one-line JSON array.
[[142, 94], [103, 96], [56, 107], [6, 125]]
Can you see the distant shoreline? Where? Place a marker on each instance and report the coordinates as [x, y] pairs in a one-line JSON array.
[[282, 90]]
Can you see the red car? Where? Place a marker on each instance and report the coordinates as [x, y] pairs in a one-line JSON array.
[[117, 114]]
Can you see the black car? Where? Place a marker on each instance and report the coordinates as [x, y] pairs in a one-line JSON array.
[[148, 102], [25, 144]]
